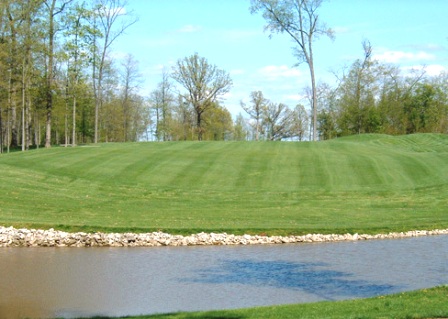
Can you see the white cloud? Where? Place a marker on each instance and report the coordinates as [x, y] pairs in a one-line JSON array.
[[189, 28], [275, 72], [237, 72], [431, 70], [401, 56], [295, 97], [432, 47]]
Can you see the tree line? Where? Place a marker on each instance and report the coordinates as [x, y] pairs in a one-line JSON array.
[[58, 82], [373, 97], [60, 85]]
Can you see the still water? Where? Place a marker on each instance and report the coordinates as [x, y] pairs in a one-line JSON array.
[[81, 282]]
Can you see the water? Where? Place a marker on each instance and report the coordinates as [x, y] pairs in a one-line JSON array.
[[80, 282]]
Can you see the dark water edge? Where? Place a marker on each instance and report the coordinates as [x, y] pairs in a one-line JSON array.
[[87, 282]]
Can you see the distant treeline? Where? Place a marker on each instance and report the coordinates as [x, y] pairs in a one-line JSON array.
[[378, 98], [59, 85]]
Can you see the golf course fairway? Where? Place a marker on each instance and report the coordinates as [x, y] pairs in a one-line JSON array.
[[365, 184]]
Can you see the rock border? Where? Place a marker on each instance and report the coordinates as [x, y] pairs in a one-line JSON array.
[[12, 237]]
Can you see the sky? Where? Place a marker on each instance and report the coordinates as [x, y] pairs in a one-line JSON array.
[[408, 34]]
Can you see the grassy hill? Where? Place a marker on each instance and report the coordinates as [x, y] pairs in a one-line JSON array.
[[367, 183]]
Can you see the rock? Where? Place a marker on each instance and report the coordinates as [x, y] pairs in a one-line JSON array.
[[11, 237]]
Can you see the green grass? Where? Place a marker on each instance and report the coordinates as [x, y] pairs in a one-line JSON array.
[[422, 304], [365, 184]]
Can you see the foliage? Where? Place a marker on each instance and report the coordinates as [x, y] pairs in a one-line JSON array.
[[255, 110], [204, 83], [275, 121], [376, 98], [49, 57]]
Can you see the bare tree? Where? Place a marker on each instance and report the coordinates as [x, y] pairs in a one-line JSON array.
[[255, 110], [108, 12], [300, 20], [204, 82], [130, 84], [300, 121], [162, 99], [280, 122]]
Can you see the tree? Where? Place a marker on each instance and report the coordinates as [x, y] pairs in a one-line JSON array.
[[240, 129], [426, 110], [19, 43], [300, 121], [255, 110], [3, 67], [53, 10], [300, 20], [162, 99], [13, 12], [358, 91], [78, 34], [204, 82], [184, 120], [280, 122], [218, 123], [130, 82], [107, 12]]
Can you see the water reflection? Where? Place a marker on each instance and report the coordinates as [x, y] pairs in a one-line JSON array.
[[315, 278], [87, 282]]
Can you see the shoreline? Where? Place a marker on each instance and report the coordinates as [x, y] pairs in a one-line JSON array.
[[13, 237]]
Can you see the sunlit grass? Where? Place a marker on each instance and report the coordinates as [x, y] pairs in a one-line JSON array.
[[422, 304], [367, 183]]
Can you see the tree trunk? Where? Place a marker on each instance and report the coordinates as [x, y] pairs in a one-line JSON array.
[[28, 123], [49, 93], [314, 106], [74, 122], [14, 134], [199, 120], [1, 131]]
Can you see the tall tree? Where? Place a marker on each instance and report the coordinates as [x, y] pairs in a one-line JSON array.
[[3, 67], [109, 13], [204, 82], [300, 122], [130, 81], [300, 20], [184, 118], [358, 89], [255, 109], [162, 99], [240, 129], [54, 8], [78, 34], [13, 12], [28, 44]]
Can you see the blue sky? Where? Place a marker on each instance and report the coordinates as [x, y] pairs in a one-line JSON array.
[[405, 33]]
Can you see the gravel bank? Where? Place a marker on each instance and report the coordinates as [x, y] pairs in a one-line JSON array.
[[12, 237]]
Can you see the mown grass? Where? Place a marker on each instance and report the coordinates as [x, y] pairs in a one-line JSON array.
[[422, 304], [366, 184]]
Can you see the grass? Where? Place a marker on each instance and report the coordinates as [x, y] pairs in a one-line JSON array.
[[364, 184], [427, 303]]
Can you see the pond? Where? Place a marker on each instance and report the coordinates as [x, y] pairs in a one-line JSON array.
[[81, 282]]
